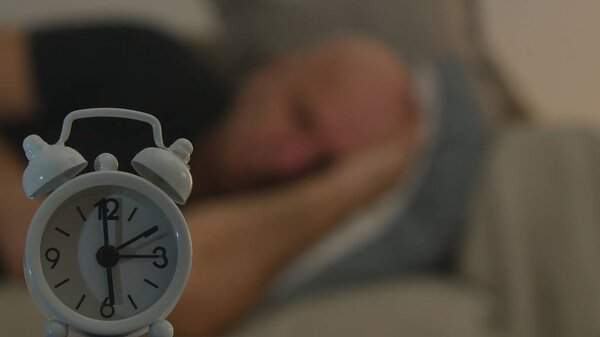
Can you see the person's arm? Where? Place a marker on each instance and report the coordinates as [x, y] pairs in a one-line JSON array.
[[17, 94], [17, 102], [240, 244]]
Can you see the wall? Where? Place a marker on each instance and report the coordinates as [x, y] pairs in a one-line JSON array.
[[549, 51], [184, 17]]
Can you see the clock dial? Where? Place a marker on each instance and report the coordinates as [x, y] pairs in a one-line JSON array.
[[108, 253]]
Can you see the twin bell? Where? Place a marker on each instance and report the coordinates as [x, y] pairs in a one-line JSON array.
[[51, 165]]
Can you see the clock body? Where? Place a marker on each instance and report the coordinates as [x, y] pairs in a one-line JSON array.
[[107, 253]]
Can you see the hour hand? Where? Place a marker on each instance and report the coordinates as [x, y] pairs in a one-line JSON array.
[[145, 234]]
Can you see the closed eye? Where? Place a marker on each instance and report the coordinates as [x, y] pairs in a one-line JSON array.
[[302, 115]]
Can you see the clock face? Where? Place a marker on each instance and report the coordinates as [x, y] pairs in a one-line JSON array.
[[108, 252]]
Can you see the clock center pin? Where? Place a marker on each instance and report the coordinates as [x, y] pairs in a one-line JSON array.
[[107, 256]]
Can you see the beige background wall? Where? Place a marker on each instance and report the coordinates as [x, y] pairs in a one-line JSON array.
[[186, 17], [549, 50]]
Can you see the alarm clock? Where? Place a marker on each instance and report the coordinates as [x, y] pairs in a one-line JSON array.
[[108, 253]]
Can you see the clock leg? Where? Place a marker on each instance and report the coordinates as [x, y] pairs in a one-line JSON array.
[[160, 329], [55, 329]]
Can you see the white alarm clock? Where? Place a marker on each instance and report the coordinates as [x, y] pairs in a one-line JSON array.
[[108, 253]]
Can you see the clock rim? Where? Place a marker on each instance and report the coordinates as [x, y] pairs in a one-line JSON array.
[[41, 291]]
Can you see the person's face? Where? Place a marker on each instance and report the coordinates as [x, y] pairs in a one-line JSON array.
[[298, 115]]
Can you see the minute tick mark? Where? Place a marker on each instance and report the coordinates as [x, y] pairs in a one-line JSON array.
[[61, 283], [151, 283], [81, 213], [80, 302], [132, 214], [62, 232], [132, 302]]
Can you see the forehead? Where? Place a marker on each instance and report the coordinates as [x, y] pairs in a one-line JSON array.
[[354, 109]]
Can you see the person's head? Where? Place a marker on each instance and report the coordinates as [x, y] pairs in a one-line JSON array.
[[311, 107]]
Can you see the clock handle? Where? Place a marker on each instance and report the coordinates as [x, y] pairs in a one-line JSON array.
[[111, 112]]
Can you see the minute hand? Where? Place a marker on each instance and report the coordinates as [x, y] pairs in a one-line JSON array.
[[139, 256], [143, 235]]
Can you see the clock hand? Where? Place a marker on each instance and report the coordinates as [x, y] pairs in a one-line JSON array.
[[109, 276], [111, 288], [104, 223], [145, 234], [139, 256]]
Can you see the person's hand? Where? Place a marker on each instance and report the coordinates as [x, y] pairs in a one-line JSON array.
[[360, 177]]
